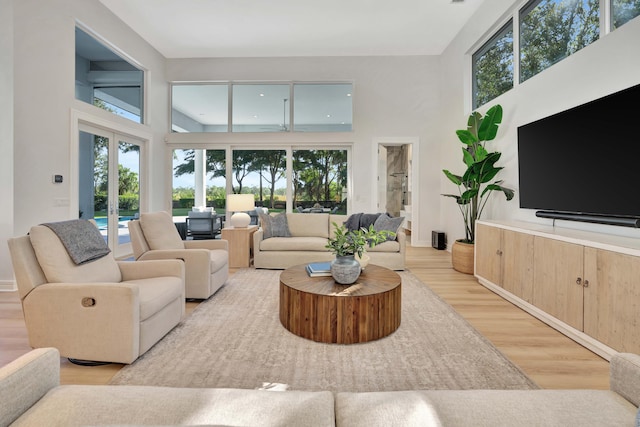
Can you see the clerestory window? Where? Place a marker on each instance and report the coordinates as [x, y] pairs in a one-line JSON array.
[[551, 30], [106, 80], [493, 67], [261, 107]]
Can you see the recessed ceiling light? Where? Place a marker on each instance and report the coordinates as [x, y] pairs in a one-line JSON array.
[[255, 116], [262, 94], [348, 94], [328, 115]]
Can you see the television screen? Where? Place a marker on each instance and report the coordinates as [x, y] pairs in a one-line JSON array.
[[584, 160]]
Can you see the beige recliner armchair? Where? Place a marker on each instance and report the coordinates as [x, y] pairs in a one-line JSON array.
[[154, 236], [103, 310]]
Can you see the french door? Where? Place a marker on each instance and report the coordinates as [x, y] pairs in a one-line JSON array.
[[109, 183]]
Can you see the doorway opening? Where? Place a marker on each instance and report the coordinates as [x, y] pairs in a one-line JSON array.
[[396, 189]]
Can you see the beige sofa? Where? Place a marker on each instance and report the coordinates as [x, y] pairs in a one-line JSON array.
[[30, 395], [309, 234]]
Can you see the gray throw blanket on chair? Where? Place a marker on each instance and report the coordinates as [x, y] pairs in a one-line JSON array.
[[81, 238]]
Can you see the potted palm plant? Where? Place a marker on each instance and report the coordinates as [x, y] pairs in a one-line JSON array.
[[347, 245], [477, 183]]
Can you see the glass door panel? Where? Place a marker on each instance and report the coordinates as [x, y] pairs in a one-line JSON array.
[[109, 180], [320, 180], [263, 174], [128, 197]]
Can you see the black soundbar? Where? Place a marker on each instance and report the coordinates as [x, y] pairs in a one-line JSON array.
[[597, 219]]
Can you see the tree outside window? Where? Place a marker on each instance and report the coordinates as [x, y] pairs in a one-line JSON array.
[[551, 30], [493, 67], [623, 11]]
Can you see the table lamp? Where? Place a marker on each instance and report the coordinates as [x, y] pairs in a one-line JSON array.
[[239, 204]]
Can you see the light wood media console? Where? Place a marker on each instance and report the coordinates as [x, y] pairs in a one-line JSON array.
[[584, 284]]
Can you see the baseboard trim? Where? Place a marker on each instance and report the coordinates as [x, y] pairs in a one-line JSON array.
[[7, 286], [580, 337]]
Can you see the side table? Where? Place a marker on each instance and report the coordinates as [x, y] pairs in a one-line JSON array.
[[240, 245]]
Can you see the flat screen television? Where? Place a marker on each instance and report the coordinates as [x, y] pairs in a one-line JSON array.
[[583, 164]]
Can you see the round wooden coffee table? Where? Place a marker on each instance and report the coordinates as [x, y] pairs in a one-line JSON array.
[[322, 310]]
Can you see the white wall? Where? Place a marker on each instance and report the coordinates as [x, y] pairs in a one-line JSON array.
[[606, 66], [43, 86], [6, 138], [393, 97]]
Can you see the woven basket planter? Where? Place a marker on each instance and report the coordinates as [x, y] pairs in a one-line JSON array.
[[462, 257]]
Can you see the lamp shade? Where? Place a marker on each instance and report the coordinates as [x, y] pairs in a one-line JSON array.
[[240, 203]]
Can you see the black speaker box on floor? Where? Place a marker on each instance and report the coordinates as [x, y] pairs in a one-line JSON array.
[[438, 240]]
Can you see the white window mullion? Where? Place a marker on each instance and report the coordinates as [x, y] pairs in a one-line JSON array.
[[516, 48], [605, 17]]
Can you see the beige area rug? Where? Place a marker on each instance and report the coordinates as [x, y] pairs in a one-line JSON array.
[[235, 340]]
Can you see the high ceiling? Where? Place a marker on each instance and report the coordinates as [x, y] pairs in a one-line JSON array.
[[278, 28]]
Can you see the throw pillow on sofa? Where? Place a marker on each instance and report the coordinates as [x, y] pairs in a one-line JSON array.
[[274, 226], [388, 223]]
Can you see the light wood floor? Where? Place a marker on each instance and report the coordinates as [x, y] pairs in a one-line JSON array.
[[546, 356]]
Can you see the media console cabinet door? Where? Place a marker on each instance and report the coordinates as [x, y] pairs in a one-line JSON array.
[[489, 253], [557, 280], [611, 299], [517, 261], [505, 258]]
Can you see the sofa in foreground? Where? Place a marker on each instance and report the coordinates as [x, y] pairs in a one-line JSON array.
[[308, 236], [30, 395]]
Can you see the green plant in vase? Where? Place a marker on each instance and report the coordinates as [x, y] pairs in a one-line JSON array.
[[346, 245], [477, 183]]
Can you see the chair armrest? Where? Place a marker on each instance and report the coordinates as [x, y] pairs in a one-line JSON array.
[[207, 244], [197, 262], [56, 296], [257, 238], [83, 320], [132, 270], [401, 237], [186, 255], [624, 376], [25, 380]]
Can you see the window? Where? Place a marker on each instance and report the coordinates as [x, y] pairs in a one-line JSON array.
[[262, 173], [106, 80], [622, 11], [320, 178], [322, 107], [551, 30], [261, 107], [200, 108], [493, 67], [187, 166]]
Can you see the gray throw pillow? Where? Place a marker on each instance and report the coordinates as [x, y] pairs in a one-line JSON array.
[[385, 222], [274, 226]]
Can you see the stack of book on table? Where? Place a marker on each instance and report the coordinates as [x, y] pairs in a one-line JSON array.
[[319, 269]]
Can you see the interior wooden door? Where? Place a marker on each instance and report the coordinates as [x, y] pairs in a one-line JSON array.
[[558, 278]]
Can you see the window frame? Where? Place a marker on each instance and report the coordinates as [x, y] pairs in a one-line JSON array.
[[291, 108], [514, 15], [123, 57], [484, 48], [529, 7]]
